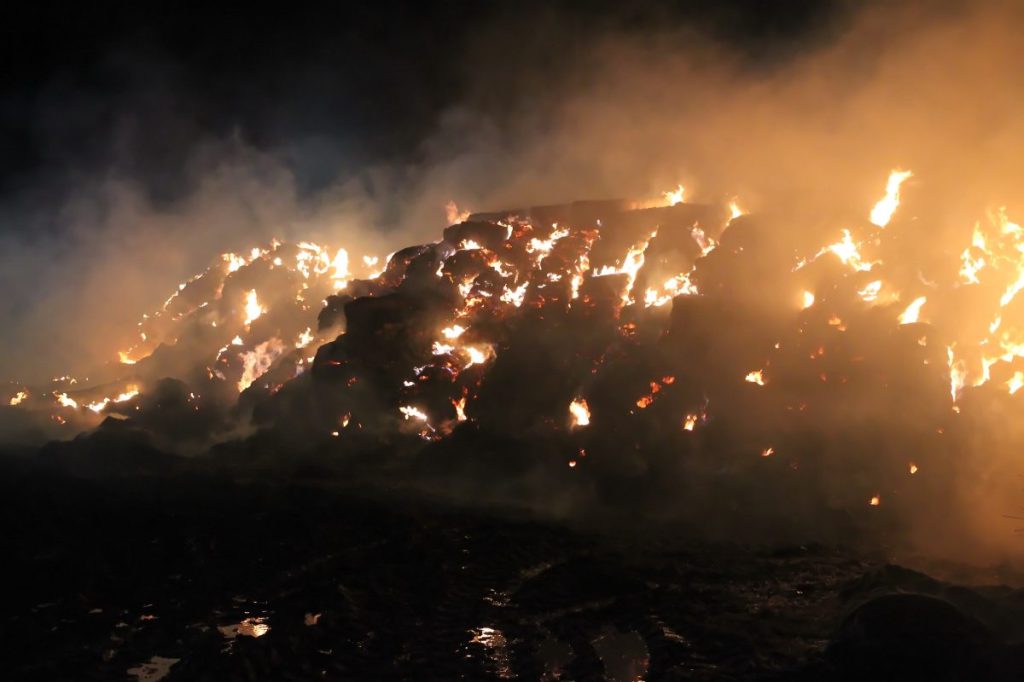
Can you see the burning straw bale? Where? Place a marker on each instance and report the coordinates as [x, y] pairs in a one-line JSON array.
[[687, 361]]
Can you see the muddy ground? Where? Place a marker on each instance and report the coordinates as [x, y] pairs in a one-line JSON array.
[[197, 577]]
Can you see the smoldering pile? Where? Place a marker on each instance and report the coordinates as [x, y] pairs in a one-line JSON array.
[[683, 362]]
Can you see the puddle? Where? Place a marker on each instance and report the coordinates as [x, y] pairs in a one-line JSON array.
[[624, 655], [154, 669], [556, 656]]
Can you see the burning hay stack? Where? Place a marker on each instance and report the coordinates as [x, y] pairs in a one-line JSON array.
[[681, 361]]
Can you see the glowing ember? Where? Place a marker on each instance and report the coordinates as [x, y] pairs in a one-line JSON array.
[[912, 468], [579, 411], [689, 422], [64, 400], [876, 500], [124, 358], [756, 377], [881, 214], [808, 300], [768, 451], [18, 398]]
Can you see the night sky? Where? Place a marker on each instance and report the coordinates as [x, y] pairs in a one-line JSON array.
[[132, 90]]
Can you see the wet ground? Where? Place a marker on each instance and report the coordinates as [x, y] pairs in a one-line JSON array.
[[198, 578]]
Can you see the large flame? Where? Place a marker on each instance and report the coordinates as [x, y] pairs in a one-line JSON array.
[[882, 213]]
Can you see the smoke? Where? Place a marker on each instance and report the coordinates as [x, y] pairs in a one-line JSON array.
[[550, 110]]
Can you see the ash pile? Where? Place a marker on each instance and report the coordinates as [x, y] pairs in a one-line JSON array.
[[759, 375]]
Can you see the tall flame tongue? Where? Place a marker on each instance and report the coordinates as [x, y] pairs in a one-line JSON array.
[[881, 214]]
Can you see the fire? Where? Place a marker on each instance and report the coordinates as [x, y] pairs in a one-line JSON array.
[[414, 413], [680, 285], [973, 258], [876, 500], [304, 338], [18, 398], [442, 348], [706, 244], [476, 356], [848, 251], [515, 296], [631, 264], [256, 362], [340, 267], [675, 196], [460, 408], [957, 374], [234, 261], [453, 332], [453, 215], [870, 292], [253, 309], [542, 247], [913, 311], [98, 406], [500, 278], [882, 213], [1016, 382], [579, 411]]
